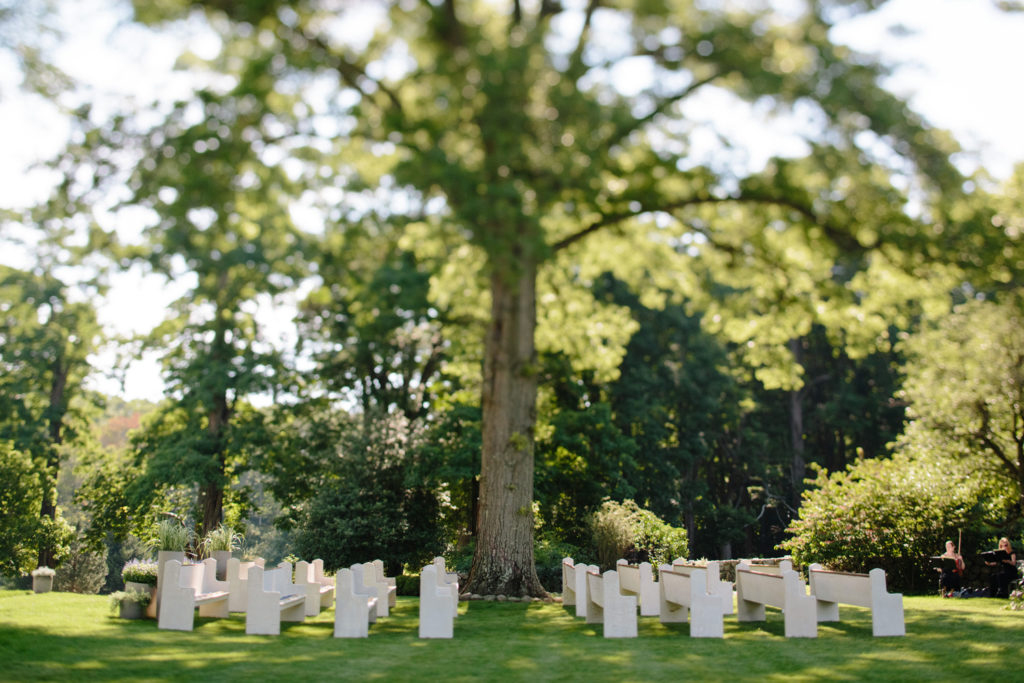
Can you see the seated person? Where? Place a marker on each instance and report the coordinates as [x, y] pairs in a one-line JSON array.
[[951, 579], [1004, 570]]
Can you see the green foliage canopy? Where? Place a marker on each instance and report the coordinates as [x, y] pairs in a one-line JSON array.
[[965, 388], [20, 498]]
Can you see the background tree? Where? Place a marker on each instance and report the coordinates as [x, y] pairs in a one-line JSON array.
[[374, 335], [583, 455], [513, 124], [678, 397], [28, 34], [372, 500], [20, 499], [218, 223], [45, 341], [965, 390]]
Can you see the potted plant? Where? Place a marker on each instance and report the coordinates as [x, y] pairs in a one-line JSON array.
[[130, 604], [141, 576], [172, 537], [42, 579], [218, 544]]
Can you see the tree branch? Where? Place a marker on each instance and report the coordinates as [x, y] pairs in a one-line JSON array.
[[350, 73], [836, 234], [662, 106], [984, 434], [576, 61]]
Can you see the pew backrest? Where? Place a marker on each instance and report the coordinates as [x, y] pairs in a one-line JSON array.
[[830, 588]]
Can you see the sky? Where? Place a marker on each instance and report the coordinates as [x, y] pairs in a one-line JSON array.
[[961, 68]]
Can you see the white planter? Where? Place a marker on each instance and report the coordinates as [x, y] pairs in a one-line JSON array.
[[129, 609], [222, 557], [144, 588], [42, 584]]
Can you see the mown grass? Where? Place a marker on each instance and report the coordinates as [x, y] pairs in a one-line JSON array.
[[64, 636]]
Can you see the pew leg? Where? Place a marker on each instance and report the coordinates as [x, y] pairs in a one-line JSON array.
[[828, 611], [749, 611]]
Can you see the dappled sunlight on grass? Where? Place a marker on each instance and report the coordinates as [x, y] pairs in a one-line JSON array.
[[64, 636]]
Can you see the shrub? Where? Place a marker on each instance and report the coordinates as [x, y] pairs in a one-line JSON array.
[[407, 584], [612, 532], [625, 530], [373, 504], [548, 555], [83, 571], [887, 513], [370, 514], [138, 571], [1017, 595]]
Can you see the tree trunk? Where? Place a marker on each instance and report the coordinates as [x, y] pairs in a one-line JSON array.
[[56, 411], [503, 563], [798, 466], [211, 492], [211, 499]]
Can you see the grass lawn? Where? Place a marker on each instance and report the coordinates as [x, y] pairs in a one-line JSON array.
[[69, 637]]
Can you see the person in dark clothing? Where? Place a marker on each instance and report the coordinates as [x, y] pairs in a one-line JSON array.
[[1003, 570], [951, 580]]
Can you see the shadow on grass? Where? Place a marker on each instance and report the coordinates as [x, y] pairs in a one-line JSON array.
[[73, 637]]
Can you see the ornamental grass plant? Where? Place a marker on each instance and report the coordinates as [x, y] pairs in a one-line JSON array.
[[57, 636], [221, 538], [171, 535]]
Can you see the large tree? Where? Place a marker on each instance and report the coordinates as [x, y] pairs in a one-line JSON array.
[[965, 389], [551, 134], [46, 336], [218, 221]]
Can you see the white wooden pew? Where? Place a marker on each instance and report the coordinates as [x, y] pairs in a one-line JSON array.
[[576, 574], [638, 580], [318, 589], [686, 594], [354, 611], [273, 598], [365, 577], [570, 582], [449, 579], [238, 583], [437, 618], [186, 587], [715, 583], [863, 590], [574, 585], [785, 590], [607, 605], [389, 581]]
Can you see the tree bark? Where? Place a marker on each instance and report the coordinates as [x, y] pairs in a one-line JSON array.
[[798, 465], [211, 493], [55, 428], [503, 563]]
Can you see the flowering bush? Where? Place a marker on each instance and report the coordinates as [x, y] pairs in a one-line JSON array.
[[139, 571], [43, 571], [887, 513], [1017, 595]]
